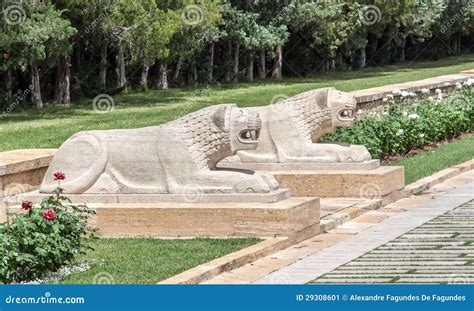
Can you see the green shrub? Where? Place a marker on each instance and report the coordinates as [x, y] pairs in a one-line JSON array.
[[406, 127], [43, 239]]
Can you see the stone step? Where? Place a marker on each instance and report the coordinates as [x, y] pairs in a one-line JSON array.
[[413, 263]]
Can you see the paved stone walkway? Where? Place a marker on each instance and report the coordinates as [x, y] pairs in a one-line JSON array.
[[368, 238], [439, 251]]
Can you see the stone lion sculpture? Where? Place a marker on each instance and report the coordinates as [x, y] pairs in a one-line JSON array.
[[292, 128], [165, 159]]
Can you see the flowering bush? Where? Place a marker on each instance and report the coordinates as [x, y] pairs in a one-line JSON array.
[[43, 239], [404, 127]]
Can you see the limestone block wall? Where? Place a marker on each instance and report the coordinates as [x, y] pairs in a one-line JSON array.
[[371, 100]]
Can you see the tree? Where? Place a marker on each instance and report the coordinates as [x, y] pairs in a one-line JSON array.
[[341, 27], [40, 38], [150, 36], [200, 29]]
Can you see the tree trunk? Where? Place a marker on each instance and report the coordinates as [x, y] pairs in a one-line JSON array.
[[210, 66], [194, 71], [8, 86], [362, 58], [78, 54], [228, 57], [235, 71], [35, 86], [262, 71], [277, 66], [177, 70], [63, 82], [103, 67], [372, 45], [250, 67], [121, 75], [332, 64], [163, 77], [459, 42], [144, 75], [339, 62], [402, 51]]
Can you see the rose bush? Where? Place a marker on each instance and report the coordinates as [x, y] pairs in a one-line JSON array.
[[44, 238], [411, 123]]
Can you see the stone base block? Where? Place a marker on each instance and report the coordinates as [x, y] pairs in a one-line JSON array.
[[23, 170], [383, 182], [271, 197], [363, 166], [227, 219], [283, 218]]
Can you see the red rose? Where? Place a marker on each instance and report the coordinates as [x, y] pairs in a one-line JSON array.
[[49, 215], [26, 205], [59, 176]]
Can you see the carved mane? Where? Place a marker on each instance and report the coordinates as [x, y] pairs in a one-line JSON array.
[[207, 140]]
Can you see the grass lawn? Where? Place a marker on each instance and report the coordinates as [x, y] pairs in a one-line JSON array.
[[148, 261], [50, 127], [430, 162]]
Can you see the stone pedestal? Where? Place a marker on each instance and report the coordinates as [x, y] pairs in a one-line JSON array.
[[21, 171], [383, 183], [271, 167], [284, 218], [190, 197]]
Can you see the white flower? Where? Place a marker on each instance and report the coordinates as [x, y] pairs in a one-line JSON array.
[[425, 91], [440, 97], [469, 82], [438, 91], [404, 94], [458, 85], [421, 135], [390, 96], [447, 84], [384, 99], [400, 132], [413, 116], [412, 94], [396, 92], [385, 113], [430, 98], [359, 111], [404, 113]]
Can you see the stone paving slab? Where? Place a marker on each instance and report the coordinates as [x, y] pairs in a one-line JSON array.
[[321, 263], [425, 267]]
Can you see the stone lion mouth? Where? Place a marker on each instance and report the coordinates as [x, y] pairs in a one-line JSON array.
[[346, 114], [249, 136]]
